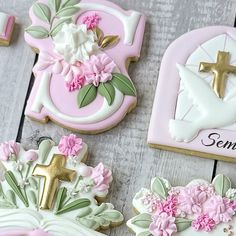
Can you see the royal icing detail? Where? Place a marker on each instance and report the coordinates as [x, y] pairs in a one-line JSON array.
[[78, 58], [200, 208], [199, 116], [6, 27], [51, 192]]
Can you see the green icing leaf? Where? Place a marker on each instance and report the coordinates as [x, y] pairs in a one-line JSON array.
[[107, 90], [143, 220], [58, 26], [42, 11], [75, 205], [89, 223], [61, 196], [84, 212], [86, 95], [11, 180], [1, 191], [124, 84], [44, 149], [100, 209], [6, 205], [32, 197], [111, 215], [10, 196], [158, 187], [221, 184], [37, 32], [67, 11], [146, 233], [33, 183], [182, 224], [69, 3], [55, 4]]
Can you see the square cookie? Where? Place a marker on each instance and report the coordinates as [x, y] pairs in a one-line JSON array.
[[194, 106], [6, 28]]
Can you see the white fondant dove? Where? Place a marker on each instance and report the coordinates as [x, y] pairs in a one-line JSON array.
[[214, 112]]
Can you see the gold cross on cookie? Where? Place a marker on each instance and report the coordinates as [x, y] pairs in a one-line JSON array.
[[52, 173], [220, 69]]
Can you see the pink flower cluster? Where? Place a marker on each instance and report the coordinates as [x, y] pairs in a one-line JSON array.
[[91, 21], [197, 202], [204, 222], [101, 177], [98, 69], [8, 150], [163, 225], [70, 145]]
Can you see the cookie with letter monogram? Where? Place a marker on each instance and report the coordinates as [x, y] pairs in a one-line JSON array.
[[84, 47], [194, 107]]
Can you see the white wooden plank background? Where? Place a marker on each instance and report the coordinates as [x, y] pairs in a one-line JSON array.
[[124, 148]]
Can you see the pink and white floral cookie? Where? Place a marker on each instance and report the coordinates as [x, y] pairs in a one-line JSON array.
[[84, 49], [7, 23], [198, 209], [51, 192], [194, 106]]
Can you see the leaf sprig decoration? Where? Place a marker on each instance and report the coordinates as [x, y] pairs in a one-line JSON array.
[[56, 13], [100, 217], [11, 180]]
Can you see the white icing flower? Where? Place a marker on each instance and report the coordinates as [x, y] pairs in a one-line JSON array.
[[231, 193], [75, 43]]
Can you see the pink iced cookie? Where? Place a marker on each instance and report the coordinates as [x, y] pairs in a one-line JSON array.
[[198, 209], [7, 23], [194, 106], [84, 48], [51, 192]]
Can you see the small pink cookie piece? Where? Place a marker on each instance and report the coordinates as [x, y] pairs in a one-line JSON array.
[[7, 23], [82, 81], [197, 209], [193, 109], [75, 205]]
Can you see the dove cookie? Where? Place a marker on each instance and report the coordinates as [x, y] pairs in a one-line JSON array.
[[197, 116], [7, 23], [51, 192], [84, 47], [198, 209]]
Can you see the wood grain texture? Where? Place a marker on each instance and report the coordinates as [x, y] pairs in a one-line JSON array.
[[124, 148], [15, 70]]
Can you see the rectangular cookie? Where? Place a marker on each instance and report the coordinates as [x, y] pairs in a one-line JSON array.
[[6, 28]]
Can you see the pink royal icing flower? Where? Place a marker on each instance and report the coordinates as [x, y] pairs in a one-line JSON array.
[[91, 21], [99, 69], [204, 222], [8, 150], [219, 209], [191, 199], [151, 201], [168, 206], [70, 145], [76, 83], [163, 225], [101, 177]]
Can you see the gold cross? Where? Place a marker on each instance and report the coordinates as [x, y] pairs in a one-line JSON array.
[[52, 173], [220, 69]]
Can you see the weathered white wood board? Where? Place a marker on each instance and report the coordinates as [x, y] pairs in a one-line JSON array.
[[124, 148], [15, 70]]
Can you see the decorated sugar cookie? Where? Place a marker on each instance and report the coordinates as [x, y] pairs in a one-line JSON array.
[[7, 23], [198, 209], [194, 106], [51, 192], [84, 50]]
